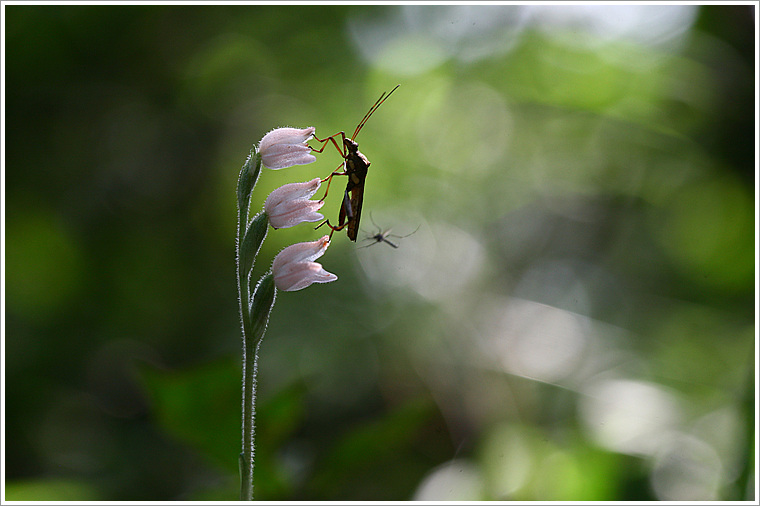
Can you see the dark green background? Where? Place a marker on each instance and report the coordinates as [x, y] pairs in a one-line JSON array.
[[586, 221]]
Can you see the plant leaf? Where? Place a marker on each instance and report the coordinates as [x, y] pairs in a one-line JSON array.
[[247, 179], [261, 306], [251, 244]]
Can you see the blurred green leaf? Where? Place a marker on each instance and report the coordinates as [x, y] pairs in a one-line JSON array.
[[51, 490], [373, 448], [200, 406], [46, 267]]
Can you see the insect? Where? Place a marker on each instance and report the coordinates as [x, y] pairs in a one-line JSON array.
[[382, 235], [355, 166]]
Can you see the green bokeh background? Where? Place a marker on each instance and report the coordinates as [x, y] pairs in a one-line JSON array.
[[574, 319]]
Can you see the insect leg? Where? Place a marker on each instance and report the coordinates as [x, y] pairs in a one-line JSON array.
[[402, 236], [345, 209], [373, 238], [379, 229], [328, 179], [329, 139], [333, 228]]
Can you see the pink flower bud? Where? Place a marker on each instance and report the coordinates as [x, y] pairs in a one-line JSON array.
[[294, 267], [285, 147], [289, 204]]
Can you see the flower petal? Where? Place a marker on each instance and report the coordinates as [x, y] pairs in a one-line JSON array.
[[289, 204], [291, 213], [301, 252], [291, 191], [287, 157], [302, 275], [285, 147], [286, 135]]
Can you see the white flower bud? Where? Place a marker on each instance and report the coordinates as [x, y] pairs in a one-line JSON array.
[[289, 204], [285, 147], [294, 267]]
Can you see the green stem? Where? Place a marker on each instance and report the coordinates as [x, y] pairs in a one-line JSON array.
[[249, 423], [260, 308], [249, 398], [254, 312], [247, 180]]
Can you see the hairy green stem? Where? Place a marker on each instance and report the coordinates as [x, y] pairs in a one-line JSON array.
[[249, 239], [261, 306]]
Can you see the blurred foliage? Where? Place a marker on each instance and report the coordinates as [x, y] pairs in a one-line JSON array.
[[573, 320]]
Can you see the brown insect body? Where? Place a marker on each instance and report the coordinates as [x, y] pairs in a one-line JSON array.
[[356, 166]]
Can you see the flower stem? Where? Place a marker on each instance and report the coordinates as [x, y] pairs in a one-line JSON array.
[[249, 239], [249, 424], [260, 308]]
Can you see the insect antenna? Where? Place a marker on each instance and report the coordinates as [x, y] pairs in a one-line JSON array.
[[372, 109]]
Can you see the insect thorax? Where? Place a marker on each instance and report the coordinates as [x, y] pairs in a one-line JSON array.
[[351, 146]]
